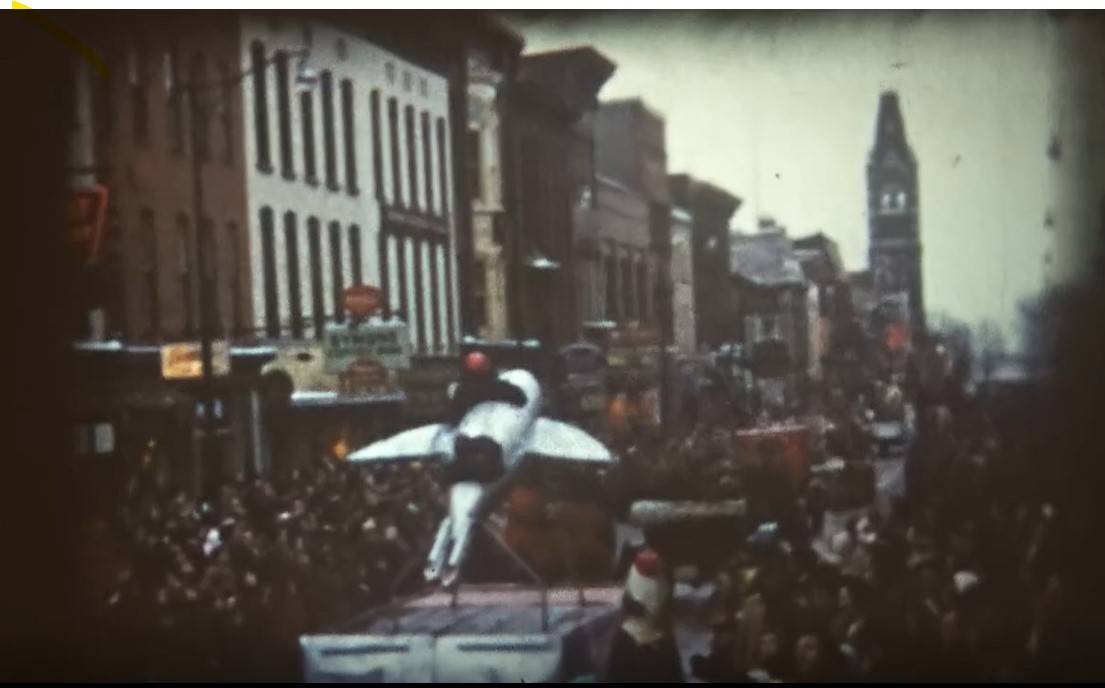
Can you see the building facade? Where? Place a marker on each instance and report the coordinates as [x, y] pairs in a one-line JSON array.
[[549, 147], [1076, 147], [711, 209], [820, 259], [175, 109], [484, 144], [144, 154], [348, 182], [894, 249], [631, 165]]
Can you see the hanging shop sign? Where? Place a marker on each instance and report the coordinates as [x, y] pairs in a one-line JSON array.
[[362, 301], [87, 213], [185, 361], [384, 341]]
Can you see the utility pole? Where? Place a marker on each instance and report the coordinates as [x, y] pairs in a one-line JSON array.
[[210, 465], [660, 221]]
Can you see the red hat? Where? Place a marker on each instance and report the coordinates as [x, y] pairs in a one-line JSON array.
[[647, 583]]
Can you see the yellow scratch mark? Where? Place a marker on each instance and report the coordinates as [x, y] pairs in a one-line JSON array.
[[62, 35]]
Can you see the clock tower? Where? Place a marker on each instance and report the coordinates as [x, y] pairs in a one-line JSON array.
[[894, 248]]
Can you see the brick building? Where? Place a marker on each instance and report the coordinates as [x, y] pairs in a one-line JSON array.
[[549, 147]]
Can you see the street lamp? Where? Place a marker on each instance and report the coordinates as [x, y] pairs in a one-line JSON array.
[[211, 467]]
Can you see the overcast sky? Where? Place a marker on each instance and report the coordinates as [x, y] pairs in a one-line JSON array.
[[780, 109]]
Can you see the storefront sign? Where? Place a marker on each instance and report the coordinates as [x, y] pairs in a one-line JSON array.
[[386, 342], [185, 361]]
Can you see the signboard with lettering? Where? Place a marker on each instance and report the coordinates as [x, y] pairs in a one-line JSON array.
[[408, 220], [384, 341], [185, 361], [87, 213]]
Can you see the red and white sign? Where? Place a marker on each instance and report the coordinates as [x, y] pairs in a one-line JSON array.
[[362, 301]]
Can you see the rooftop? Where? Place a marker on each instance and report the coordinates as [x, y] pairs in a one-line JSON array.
[[766, 259]]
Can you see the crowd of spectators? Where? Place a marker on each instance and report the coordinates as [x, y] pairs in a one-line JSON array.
[[212, 592]]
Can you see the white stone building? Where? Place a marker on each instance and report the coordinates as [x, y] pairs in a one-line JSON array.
[[348, 181]]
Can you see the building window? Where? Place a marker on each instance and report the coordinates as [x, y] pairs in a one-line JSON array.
[[318, 302], [149, 270], [419, 270], [291, 247], [401, 261], [176, 101], [184, 275], [259, 69], [642, 291], [427, 160], [104, 103], [336, 271], [348, 136], [307, 115], [384, 243], [226, 112], [328, 142], [139, 100], [268, 268], [284, 115], [355, 257], [479, 294], [377, 147], [393, 130], [443, 173], [450, 314], [114, 269], [435, 291], [474, 164], [412, 155], [901, 200], [202, 124], [209, 245], [235, 279]]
